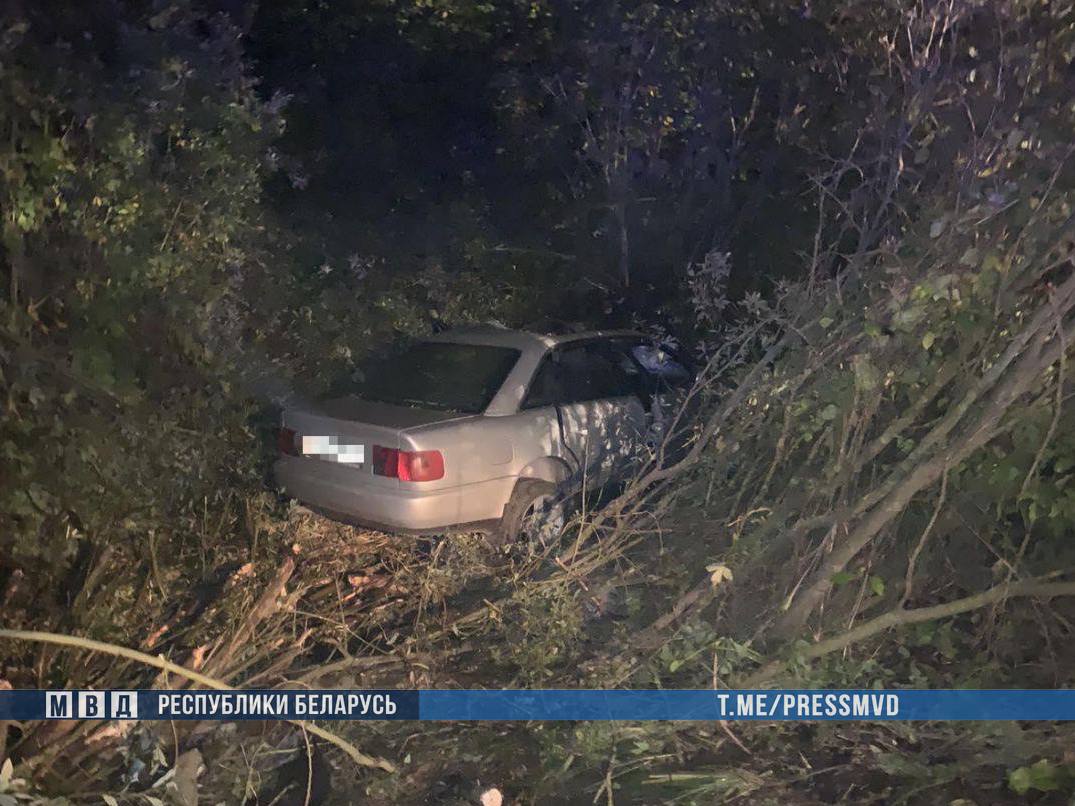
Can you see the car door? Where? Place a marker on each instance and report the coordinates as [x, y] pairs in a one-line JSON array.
[[663, 376], [598, 407]]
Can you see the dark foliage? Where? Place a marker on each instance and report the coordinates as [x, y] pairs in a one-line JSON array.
[[857, 215]]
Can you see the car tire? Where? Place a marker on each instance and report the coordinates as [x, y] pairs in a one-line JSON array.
[[536, 513]]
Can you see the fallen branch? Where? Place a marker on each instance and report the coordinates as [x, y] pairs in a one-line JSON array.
[[908, 584], [908, 480], [267, 603], [166, 665], [690, 602], [900, 617]]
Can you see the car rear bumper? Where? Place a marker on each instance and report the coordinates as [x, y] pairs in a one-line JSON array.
[[366, 523], [334, 490]]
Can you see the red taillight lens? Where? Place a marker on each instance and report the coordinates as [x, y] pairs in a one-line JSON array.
[[285, 441], [385, 461], [420, 465], [408, 465]]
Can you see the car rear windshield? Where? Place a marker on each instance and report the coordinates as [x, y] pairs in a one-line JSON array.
[[440, 376]]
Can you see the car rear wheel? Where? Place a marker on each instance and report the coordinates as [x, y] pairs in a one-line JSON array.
[[535, 515]]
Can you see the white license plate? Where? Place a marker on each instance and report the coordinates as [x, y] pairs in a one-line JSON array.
[[333, 449]]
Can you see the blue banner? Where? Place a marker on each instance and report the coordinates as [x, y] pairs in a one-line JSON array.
[[544, 705]]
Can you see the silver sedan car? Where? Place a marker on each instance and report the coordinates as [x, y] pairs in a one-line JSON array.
[[485, 429]]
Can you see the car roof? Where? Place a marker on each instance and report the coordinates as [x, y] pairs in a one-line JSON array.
[[564, 338], [523, 340], [532, 348]]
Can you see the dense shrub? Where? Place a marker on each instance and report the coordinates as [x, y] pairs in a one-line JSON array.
[[132, 162]]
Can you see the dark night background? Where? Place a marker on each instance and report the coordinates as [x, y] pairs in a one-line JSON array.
[[855, 215]]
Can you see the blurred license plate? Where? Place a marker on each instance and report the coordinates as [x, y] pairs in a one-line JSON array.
[[333, 449]]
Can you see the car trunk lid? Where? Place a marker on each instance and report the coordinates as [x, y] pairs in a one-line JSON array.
[[350, 421]]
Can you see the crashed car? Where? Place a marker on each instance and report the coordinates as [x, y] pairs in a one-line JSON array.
[[487, 429]]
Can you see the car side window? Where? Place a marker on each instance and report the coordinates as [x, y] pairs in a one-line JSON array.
[[661, 368], [549, 386], [577, 373], [605, 375]]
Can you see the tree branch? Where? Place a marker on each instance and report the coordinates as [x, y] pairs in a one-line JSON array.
[[900, 617], [77, 642]]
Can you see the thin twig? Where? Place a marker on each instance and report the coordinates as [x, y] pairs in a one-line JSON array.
[[909, 580]]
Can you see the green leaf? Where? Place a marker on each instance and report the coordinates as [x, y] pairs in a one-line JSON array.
[[1045, 777], [992, 262], [877, 585], [95, 364], [866, 376], [829, 412], [825, 322], [1042, 776], [928, 339], [842, 578]]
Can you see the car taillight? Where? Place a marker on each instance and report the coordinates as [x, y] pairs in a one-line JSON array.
[[420, 465], [385, 461], [285, 441], [408, 465]]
